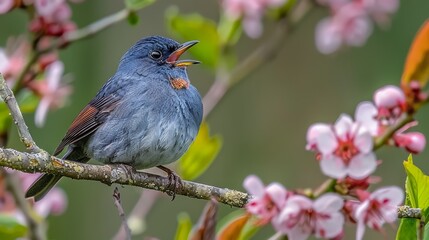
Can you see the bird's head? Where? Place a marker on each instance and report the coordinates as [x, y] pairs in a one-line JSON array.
[[159, 56]]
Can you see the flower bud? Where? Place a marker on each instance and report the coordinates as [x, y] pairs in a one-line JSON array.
[[389, 97]]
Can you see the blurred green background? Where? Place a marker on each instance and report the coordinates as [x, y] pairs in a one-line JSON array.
[[263, 120]]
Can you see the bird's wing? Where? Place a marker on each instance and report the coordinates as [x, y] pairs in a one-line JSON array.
[[88, 120]]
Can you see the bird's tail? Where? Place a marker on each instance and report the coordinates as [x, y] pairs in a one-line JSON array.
[[42, 186], [47, 181]]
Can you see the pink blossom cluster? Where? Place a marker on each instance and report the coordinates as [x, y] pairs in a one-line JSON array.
[[351, 22], [345, 149], [45, 80], [251, 11], [299, 217], [52, 16], [54, 203]]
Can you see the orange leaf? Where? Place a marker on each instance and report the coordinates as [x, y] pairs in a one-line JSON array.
[[417, 63], [233, 229]]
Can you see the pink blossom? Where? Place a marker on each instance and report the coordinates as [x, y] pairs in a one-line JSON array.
[[413, 142], [13, 58], [380, 10], [366, 115], [6, 5], [53, 93], [267, 201], [351, 22], [345, 149], [55, 202], [53, 18], [251, 11], [377, 208], [348, 26], [47, 8], [302, 217], [391, 103], [389, 97], [350, 186]]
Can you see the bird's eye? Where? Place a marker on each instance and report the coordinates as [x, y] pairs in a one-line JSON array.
[[156, 55]]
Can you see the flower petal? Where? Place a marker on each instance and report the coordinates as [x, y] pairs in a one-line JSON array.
[[328, 40], [362, 165], [41, 112], [333, 166], [363, 141], [330, 227], [328, 203], [53, 74], [298, 233], [277, 193], [393, 194], [343, 125], [366, 114], [313, 132], [360, 230], [254, 185], [326, 141]]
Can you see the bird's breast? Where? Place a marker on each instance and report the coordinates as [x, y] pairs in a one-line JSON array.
[[149, 129]]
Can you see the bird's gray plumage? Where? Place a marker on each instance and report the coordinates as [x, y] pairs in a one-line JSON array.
[[137, 118]]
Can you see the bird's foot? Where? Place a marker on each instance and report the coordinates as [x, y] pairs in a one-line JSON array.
[[174, 181]]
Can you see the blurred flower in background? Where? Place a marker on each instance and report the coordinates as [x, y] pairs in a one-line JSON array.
[[351, 22], [54, 203], [251, 12]]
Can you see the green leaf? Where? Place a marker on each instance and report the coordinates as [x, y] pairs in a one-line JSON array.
[[417, 192], [196, 27], [184, 226], [200, 154], [426, 233], [407, 229], [133, 18], [229, 30], [10, 228], [27, 101], [5, 118], [417, 185], [138, 4]]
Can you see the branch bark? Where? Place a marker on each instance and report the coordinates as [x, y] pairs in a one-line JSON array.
[[121, 174]]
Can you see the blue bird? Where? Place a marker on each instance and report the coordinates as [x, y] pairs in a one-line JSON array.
[[146, 115]]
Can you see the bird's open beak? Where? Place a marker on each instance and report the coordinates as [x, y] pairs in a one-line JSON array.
[[174, 56]]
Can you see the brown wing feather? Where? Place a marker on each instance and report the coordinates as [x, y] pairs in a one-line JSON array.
[[88, 120]]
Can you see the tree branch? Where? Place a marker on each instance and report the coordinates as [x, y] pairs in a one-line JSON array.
[[224, 80], [71, 37], [7, 95], [409, 212], [121, 174]]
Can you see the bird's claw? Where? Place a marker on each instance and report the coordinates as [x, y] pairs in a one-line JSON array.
[[174, 182]]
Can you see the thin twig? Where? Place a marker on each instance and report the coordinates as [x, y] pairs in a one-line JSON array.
[[409, 212], [381, 140], [8, 97], [117, 201], [34, 223], [138, 214], [72, 37], [260, 56]]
